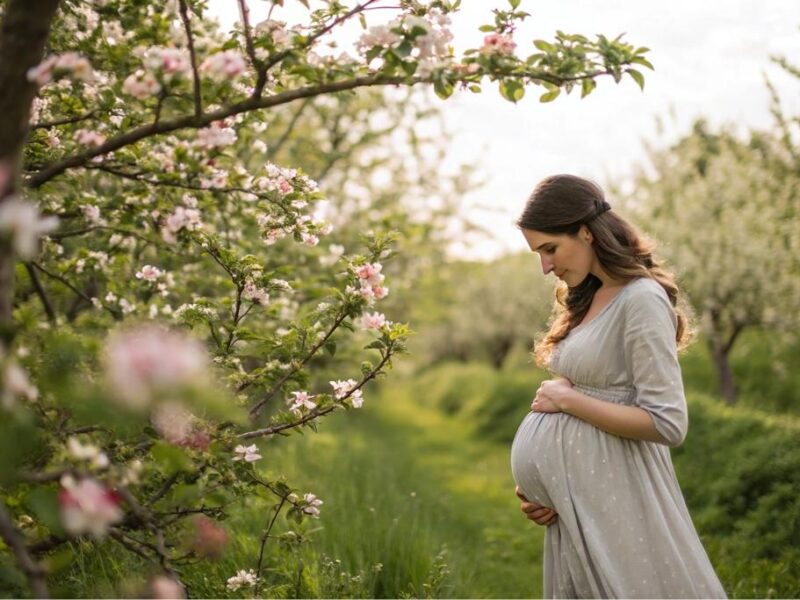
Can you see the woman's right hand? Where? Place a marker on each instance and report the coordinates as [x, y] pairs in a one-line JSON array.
[[537, 513]]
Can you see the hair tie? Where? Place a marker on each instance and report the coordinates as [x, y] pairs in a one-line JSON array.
[[604, 206]]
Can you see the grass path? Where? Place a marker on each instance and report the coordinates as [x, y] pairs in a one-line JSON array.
[[404, 484]]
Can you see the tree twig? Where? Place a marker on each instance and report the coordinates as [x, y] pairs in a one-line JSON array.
[[273, 150], [273, 429], [33, 570], [115, 313], [276, 388], [64, 121], [37, 285], [198, 98], [264, 543], [244, 13]]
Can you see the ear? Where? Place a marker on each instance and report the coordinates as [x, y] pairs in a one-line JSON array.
[[585, 234]]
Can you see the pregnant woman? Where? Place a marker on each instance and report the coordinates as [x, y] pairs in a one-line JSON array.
[[592, 461]]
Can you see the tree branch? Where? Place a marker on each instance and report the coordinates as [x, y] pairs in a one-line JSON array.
[[273, 429], [64, 121], [276, 388], [37, 285], [33, 570], [273, 150], [264, 543], [115, 313], [198, 98], [191, 121], [244, 13]]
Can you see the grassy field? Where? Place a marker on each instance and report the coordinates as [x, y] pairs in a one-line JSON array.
[[407, 487], [418, 500]]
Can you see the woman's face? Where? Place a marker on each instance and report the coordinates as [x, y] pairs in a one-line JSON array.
[[570, 258]]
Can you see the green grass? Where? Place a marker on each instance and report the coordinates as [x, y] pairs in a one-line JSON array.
[[419, 500]]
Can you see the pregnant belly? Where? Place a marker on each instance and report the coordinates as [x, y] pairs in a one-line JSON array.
[[555, 456], [535, 452]]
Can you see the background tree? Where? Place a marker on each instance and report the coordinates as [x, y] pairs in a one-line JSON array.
[[725, 211], [481, 311]]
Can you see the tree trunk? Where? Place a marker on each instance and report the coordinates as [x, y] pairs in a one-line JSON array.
[[23, 36], [722, 365]]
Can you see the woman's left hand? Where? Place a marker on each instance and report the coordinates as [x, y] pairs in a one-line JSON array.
[[551, 395]]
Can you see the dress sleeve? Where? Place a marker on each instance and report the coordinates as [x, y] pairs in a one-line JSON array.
[[651, 356]]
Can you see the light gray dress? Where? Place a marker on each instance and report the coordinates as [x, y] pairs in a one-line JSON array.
[[623, 529]]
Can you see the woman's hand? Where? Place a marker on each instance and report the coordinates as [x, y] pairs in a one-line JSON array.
[[551, 395], [541, 515]]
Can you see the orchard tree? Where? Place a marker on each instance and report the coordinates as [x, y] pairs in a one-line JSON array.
[[725, 211], [163, 308], [481, 311]]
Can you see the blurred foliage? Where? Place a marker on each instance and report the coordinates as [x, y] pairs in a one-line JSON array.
[[480, 311]]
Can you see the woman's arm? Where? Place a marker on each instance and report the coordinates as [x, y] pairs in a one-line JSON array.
[[651, 357], [557, 395]]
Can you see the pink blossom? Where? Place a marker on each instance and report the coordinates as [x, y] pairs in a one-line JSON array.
[[16, 385], [89, 452], [141, 85], [301, 400], [247, 453], [91, 212], [69, 63], [312, 505], [242, 578], [183, 217], [309, 239], [166, 588], [374, 320], [147, 360], [496, 42], [88, 507], [357, 398], [371, 273], [172, 422], [149, 273], [378, 36], [380, 292], [342, 387], [89, 138], [25, 225], [216, 136], [224, 65], [284, 187], [210, 539], [256, 294], [170, 61]]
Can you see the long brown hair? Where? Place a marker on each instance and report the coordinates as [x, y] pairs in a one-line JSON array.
[[560, 205]]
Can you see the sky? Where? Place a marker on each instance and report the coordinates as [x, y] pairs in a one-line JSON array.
[[710, 61]]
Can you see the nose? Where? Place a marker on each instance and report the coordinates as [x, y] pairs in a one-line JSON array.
[[547, 264]]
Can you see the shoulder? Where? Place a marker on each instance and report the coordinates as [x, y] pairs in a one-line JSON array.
[[645, 298]]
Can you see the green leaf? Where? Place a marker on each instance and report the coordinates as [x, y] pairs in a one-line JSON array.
[[637, 77], [363, 20], [643, 61], [550, 96], [171, 458], [331, 348], [587, 85], [514, 3], [404, 49], [544, 46], [512, 90], [486, 28], [443, 89], [475, 88]]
